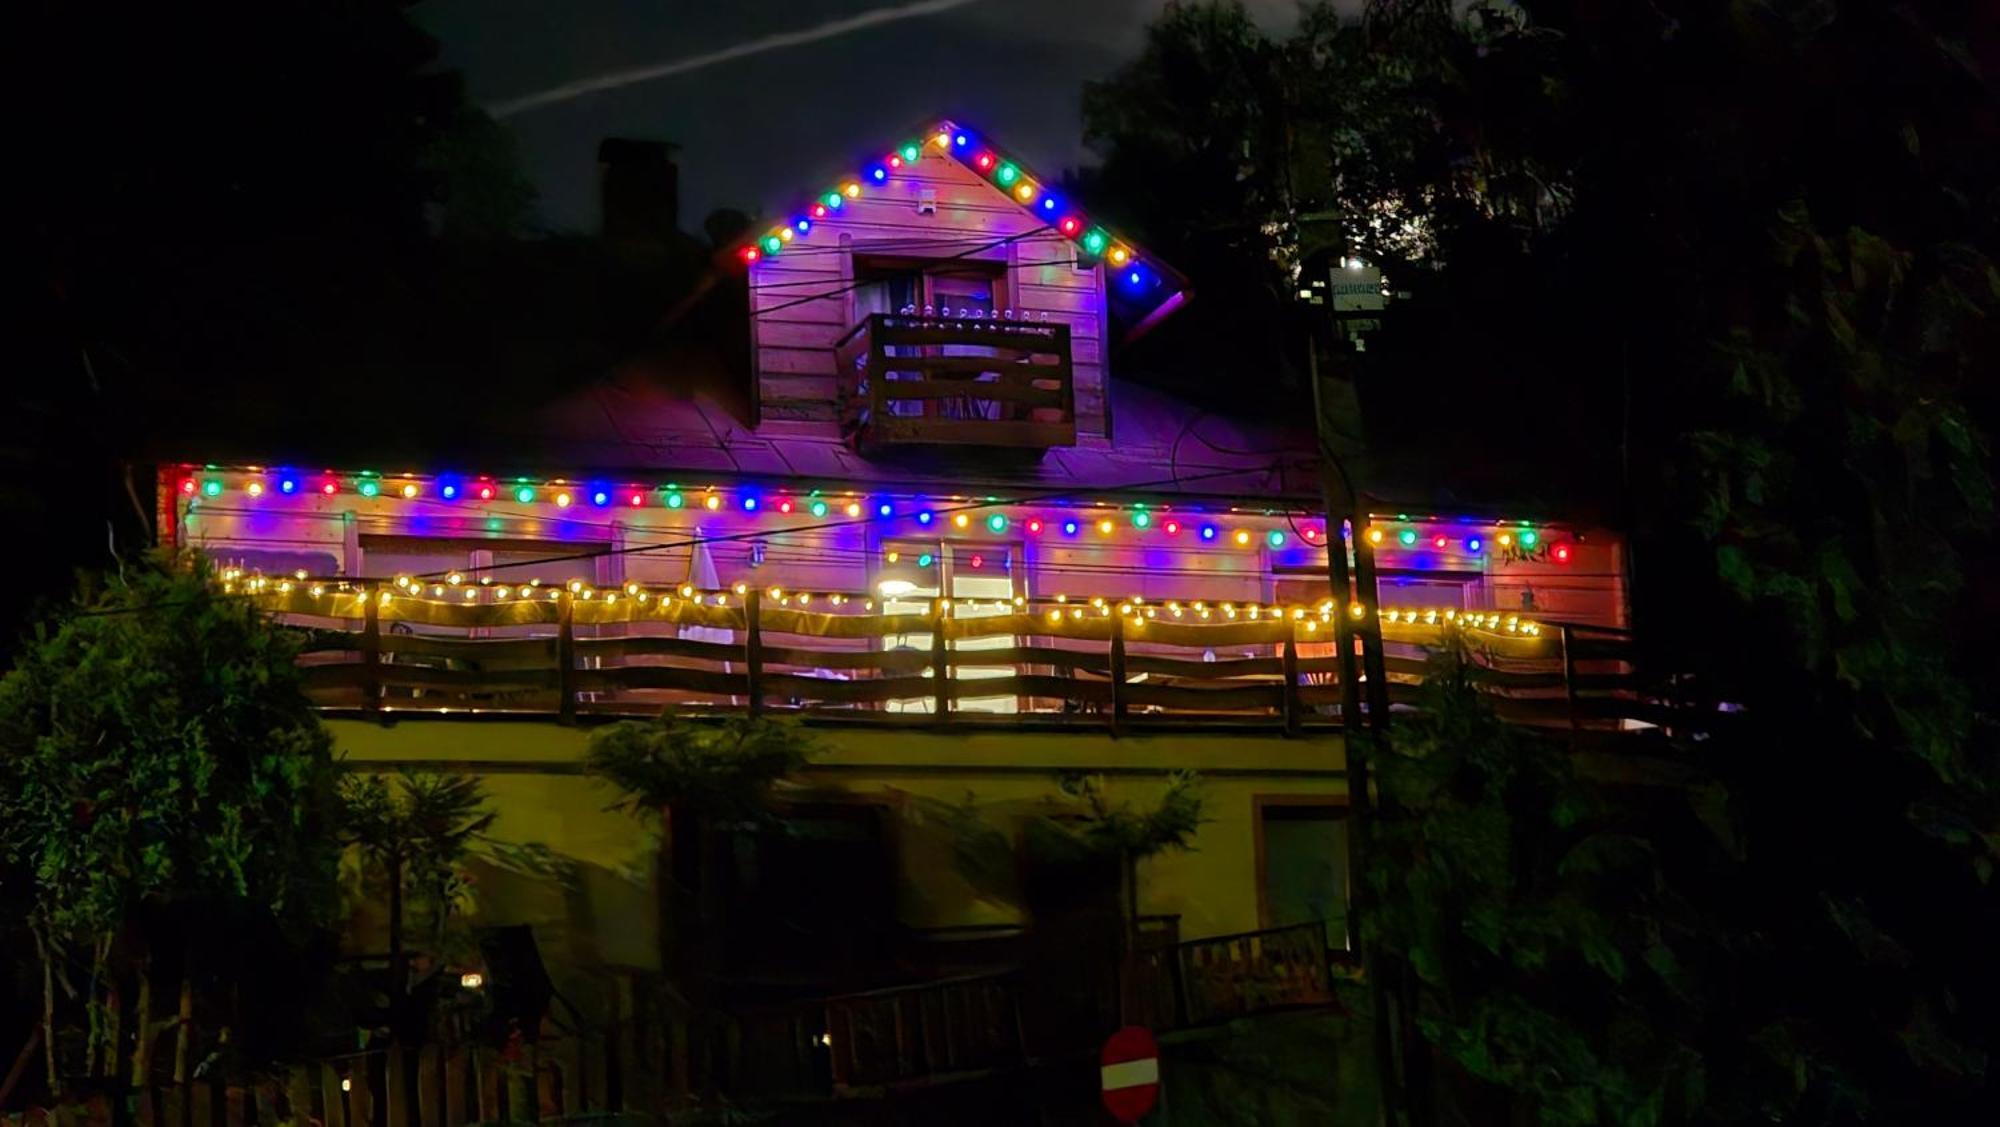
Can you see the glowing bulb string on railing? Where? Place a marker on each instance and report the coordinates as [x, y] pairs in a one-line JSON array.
[[456, 592]]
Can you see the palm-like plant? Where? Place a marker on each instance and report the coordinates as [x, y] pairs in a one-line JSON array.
[[418, 831]]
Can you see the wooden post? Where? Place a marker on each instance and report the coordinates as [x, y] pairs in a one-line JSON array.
[[753, 651], [1291, 697], [1118, 702], [1569, 675], [371, 649], [566, 658], [940, 665]]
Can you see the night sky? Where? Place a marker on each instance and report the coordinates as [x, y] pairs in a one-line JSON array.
[[763, 128]]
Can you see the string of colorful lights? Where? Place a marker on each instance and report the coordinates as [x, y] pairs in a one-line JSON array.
[[1007, 175], [456, 591], [1519, 539]]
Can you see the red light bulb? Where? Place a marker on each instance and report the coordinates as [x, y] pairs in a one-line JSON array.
[[984, 161], [1437, 541], [329, 487], [187, 487], [485, 493], [1034, 526], [749, 254], [1070, 225], [1172, 527], [1311, 534], [1562, 553], [636, 500], [785, 506]]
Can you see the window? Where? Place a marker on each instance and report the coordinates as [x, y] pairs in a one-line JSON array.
[[1302, 864], [979, 579], [886, 285]]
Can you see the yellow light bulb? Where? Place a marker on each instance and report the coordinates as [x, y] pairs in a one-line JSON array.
[[961, 520], [850, 189], [1242, 538], [942, 140], [1025, 192], [853, 509], [562, 500], [784, 234], [1374, 536], [1119, 255], [1104, 527], [712, 502], [409, 490]]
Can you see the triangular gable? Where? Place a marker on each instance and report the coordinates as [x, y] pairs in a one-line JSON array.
[[1133, 272]]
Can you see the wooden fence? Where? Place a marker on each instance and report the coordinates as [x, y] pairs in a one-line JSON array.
[[1089, 663]]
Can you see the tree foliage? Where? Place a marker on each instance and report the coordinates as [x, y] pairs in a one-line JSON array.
[[1724, 275], [723, 770], [1093, 825], [163, 780], [1533, 910]]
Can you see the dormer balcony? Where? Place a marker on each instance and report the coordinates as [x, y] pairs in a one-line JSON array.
[[908, 380]]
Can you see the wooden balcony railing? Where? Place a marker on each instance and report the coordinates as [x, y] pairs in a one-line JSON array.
[[1235, 975], [1181, 983], [929, 1031], [934, 380], [1115, 667]]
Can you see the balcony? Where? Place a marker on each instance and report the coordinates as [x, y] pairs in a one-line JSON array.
[[908, 381], [374, 649]]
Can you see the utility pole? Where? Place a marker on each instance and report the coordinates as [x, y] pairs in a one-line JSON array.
[[1356, 614]]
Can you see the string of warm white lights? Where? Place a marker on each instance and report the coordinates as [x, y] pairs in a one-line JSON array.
[[456, 591]]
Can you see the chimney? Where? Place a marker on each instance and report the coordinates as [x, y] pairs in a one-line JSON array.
[[639, 192]]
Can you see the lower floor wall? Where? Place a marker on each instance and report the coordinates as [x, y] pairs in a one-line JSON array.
[[924, 782]]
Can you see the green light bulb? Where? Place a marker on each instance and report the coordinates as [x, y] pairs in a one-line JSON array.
[[1275, 538], [1528, 537], [1007, 174], [1407, 537], [1142, 519], [211, 489], [1094, 242], [772, 244], [524, 495], [370, 489], [997, 522], [911, 151], [675, 500]]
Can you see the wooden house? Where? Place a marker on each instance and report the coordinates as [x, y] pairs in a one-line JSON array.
[[981, 569]]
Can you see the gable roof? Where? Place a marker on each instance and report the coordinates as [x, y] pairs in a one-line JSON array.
[[1140, 274]]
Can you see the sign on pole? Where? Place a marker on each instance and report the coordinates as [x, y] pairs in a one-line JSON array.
[[1130, 1069]]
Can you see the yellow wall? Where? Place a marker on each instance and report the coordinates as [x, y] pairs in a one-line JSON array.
[[533, 773]]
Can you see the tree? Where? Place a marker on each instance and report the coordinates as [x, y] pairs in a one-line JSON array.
[[1498, 872], [166, 784], [1724, 275], [418, 833], [697, 779], [1088, 824]]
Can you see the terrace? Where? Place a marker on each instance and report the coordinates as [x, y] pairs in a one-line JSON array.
[[377, 646]]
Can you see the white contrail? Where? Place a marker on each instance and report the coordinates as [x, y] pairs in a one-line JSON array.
[[828, 30]]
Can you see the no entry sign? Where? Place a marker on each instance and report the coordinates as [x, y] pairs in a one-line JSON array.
[[1130, 1068]]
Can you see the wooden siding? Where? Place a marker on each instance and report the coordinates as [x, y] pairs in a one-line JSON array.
[[801, 301]]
